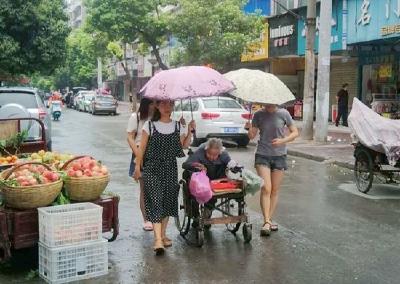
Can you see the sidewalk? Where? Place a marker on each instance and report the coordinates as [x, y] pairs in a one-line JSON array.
[[338, 150]]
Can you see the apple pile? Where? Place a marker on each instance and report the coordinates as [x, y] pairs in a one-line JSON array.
[[86, 167], [29, 175]]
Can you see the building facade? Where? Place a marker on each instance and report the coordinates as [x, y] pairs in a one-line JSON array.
[[76, 12]]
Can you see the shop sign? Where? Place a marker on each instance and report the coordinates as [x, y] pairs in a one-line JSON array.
[[368, 59], [258, 50], [282, 35], [385, 71], [373, 20], [336, 30]]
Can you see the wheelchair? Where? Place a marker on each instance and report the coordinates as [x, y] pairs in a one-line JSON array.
[[230, 204]]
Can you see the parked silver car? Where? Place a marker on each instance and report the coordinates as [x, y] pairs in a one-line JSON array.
[[103, 104], [21, 102]]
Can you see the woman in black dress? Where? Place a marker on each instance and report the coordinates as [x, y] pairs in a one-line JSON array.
[[163, 140]]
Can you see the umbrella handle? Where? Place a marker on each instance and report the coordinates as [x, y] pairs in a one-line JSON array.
[[191, 112]]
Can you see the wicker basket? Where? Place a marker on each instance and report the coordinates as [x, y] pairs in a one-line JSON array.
[[84, 188], [29, 197]]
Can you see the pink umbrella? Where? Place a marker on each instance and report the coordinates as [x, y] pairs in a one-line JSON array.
[[186, 82]]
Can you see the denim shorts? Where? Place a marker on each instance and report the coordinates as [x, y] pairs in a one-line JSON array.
[[274, 163]]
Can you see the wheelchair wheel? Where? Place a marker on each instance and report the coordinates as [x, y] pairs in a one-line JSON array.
[[247, 232], [230, 208], [200, 238], [182, 222]]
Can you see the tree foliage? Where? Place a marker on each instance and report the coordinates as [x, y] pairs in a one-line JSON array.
[[32, 36], [126, 21], [213, 32]]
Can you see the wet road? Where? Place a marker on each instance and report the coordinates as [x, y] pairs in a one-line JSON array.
[[328, 233]]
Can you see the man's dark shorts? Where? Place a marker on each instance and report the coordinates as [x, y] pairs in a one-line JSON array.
[[274, 163]]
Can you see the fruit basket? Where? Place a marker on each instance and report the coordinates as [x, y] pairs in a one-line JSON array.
[[30, 185], [87, 178]]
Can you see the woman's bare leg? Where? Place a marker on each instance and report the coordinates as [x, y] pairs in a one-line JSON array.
[[265, 195], [164, 227], [141, 197], [276, 181]]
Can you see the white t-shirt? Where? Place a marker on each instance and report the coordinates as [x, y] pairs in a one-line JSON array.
[[165, 128], [134, 127]]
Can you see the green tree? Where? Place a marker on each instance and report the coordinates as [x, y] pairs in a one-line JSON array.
[[126, 21], [213, 32], [32, 36]]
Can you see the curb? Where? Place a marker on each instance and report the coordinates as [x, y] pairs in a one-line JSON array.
[[320, 159]]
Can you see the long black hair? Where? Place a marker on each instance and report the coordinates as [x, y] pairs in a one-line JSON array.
[[144, 108]]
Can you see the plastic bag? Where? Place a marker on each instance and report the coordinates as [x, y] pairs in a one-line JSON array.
[[252, 182], [200, 188]]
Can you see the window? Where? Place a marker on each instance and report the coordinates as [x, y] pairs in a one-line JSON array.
[[221, 103], [190, 106], [28, 100]]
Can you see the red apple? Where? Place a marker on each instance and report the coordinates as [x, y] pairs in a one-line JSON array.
[[71, 173], [78, 173]]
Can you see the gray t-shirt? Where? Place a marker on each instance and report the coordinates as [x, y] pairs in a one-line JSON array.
[[271, 126]]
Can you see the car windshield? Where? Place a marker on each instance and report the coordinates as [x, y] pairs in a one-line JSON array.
[[27, 100], [221, 103], [105, 98]]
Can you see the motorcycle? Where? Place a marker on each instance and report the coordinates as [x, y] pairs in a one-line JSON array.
[[56, 108]]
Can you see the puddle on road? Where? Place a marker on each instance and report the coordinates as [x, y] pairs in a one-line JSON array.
[[377, 192]]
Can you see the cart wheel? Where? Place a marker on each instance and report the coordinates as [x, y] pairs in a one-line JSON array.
[[182, 222], [247, 232], [233, 228], [363, 171], [200, 238]]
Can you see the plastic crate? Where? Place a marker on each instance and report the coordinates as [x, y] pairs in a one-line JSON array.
[[73, 263], [70, 224]]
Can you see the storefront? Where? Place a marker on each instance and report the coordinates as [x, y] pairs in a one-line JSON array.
[[374, 31], [283, 58], [343, 69]]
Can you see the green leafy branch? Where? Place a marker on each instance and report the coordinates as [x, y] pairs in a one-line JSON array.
[[14, 142]]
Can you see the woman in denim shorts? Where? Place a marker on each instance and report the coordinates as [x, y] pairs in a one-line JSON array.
[[270, 160]]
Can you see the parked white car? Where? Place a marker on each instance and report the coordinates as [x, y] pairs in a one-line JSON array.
[[220, 117]]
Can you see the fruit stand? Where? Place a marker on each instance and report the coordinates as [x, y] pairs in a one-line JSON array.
[[31, 178]]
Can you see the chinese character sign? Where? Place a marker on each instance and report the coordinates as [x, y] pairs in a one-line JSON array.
[[372, 20], [336, 30]]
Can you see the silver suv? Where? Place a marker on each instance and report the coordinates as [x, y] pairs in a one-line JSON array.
[[22, 102]]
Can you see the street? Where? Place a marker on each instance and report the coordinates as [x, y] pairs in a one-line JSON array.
[[327, 233]]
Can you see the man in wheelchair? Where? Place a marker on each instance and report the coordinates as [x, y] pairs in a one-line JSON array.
[[212, 158]]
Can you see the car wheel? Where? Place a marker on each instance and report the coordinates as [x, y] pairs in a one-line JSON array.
[[243, 142], [49, 146]]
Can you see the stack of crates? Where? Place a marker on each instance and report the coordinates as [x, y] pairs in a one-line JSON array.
[[71, 246]]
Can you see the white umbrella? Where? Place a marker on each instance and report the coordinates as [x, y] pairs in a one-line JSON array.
[[255, 86]]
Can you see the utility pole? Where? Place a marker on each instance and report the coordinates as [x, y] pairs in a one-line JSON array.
[[309, 74], [324, 64], [99, 73]]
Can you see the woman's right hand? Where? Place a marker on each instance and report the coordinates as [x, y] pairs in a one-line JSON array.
[[138, 174]]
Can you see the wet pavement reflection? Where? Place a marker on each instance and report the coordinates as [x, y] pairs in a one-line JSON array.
[[328, 233]]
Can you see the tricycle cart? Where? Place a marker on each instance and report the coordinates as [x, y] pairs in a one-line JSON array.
[[20, 228], [369, 164]]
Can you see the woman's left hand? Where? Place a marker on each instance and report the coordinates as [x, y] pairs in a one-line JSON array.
[[278, 142]]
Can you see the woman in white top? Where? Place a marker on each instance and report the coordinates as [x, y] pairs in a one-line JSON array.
[[163, 141], [135, 126]]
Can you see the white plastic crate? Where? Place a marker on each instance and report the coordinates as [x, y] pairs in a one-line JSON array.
[[73, 263], [70, 224]]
